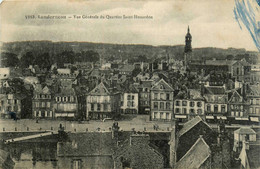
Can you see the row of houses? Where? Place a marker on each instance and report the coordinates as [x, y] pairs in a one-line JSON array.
[[158, 100]]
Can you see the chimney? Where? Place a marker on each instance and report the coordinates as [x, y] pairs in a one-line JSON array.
[[115, 129]]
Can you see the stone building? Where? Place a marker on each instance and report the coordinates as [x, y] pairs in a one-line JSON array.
[[129, 101], [102, 103], [162, 101], [253, 95], [216, 102], [42, 102], [65, 103], [189, 107]]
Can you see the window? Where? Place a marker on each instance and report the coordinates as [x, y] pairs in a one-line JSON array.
[[161, 87], [2, 102], [133, 97], [98, 107], [161, 115], [191, 111], [155, 95], [199, 111], [168, 105], [184, 111], [48, 104], [162, 96], [167, 96], [133, 104], [257, 101], [223, 109], [92, 107], [37, 104], [167, 116], [184, 103], [177, 103], [43, 104], [199, 104], [155, 105], [128, 103], [177, 110], [105, 107], [155, 115], [192, 104], [251, 101], [128, 97], [215, 108], [15, 101], [145, 95], [76, 164], [161, 105], [208, 108]]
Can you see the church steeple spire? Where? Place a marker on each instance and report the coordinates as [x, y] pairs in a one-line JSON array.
[[188, 39]]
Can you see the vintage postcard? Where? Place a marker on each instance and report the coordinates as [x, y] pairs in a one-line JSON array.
[[140, 84]]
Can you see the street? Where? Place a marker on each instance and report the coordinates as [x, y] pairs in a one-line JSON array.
[[140, 123]]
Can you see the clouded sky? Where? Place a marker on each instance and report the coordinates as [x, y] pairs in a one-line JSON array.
[[212, 22]]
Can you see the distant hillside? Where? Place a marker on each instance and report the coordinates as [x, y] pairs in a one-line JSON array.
[[123, 51]]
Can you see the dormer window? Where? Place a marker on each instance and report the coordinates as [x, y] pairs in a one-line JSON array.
[[161, 87]]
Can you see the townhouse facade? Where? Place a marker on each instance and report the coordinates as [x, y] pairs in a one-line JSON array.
[[129, 101], [216, 102], [11, 105], [65, 103], [42, 102], [144, 97], [100, 103], [253, 95], [189, 107], [237, 105], [162, 101]]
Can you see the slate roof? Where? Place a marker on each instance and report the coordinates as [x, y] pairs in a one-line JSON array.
[[5, 160], [196, 155], [254, 89], [254, 156], [127, 68], [100, 89], [66, 91], [190, 124], [87, 144], [245, 130], [162, 82], [215, 90], [195, 94]]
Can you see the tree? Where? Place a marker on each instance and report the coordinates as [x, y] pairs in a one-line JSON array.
[[44, 61], [9, 59], [89, 56], [27, 59]]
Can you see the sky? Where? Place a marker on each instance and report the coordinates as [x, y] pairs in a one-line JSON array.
[[212, 22]]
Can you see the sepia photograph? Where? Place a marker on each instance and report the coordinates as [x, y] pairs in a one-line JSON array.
[[129, 84]]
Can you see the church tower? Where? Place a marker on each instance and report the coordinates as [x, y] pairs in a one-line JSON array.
[[188, 39], [187, 49]]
